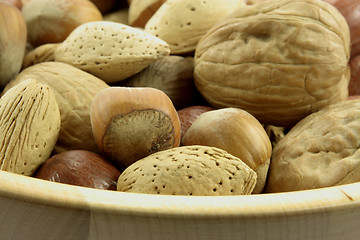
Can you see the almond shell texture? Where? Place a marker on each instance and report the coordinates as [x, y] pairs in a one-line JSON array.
[[29, 127], [181, 23], [111, 51], [189, 170], [74, 90]]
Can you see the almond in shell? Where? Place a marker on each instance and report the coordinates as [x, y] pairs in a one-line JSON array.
[[29, 127], [111, 51], [190, 170]]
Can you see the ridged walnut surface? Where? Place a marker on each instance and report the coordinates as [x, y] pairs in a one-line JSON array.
[[322, 150], [279, 60]]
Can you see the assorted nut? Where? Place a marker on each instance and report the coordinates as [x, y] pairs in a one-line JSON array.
[[190, 170], [181, 97]]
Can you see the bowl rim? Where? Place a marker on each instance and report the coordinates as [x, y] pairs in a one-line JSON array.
[[42, 192]]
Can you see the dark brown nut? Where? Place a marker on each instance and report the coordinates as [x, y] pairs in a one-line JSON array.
[[188, 116], [173, 75], [278, 60], [190, 170], [29, 127], [237, 132], [80, 168], [322, 150], [74, 91]]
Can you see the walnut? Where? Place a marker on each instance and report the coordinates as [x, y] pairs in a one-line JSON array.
[[278, 60]]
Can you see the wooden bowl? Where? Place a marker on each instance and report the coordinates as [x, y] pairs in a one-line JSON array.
[[36, 209]]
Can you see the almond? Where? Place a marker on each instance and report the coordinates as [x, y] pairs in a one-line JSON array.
[[191, 170], [29, 127], [181, 23], [74, 91], [111, 51]]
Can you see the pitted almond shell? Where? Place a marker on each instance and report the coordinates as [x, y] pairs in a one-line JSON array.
[[181, 23], [111, 51], [74, 91], [29, 127], [237, 132], [190, 170]]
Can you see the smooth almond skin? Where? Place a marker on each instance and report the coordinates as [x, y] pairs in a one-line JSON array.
[[189, 171], [74, 90], [13, 34], [111, 51], [29, 127], [51, 21], [80, 168], [237, 132], [130, 123]]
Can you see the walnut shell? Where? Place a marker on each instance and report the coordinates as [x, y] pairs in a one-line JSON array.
[[74, 91], [111, 51], [190, 170], [322, 150], [29, 127], [278, 60]]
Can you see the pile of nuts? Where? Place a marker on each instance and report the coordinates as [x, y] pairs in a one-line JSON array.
[[181, 97]]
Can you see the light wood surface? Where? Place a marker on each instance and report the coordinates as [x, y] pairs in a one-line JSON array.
[[36, 209]]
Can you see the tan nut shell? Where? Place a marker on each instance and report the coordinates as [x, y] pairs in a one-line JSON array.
[[29, 127], [51, 21], [322, 150], [130, 123], [111, 51], [74, 91], [278, 60], [43, 53], [190, 170], [181, 23], [173, 75], [140, 11], [13, 35], [237, 132]]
